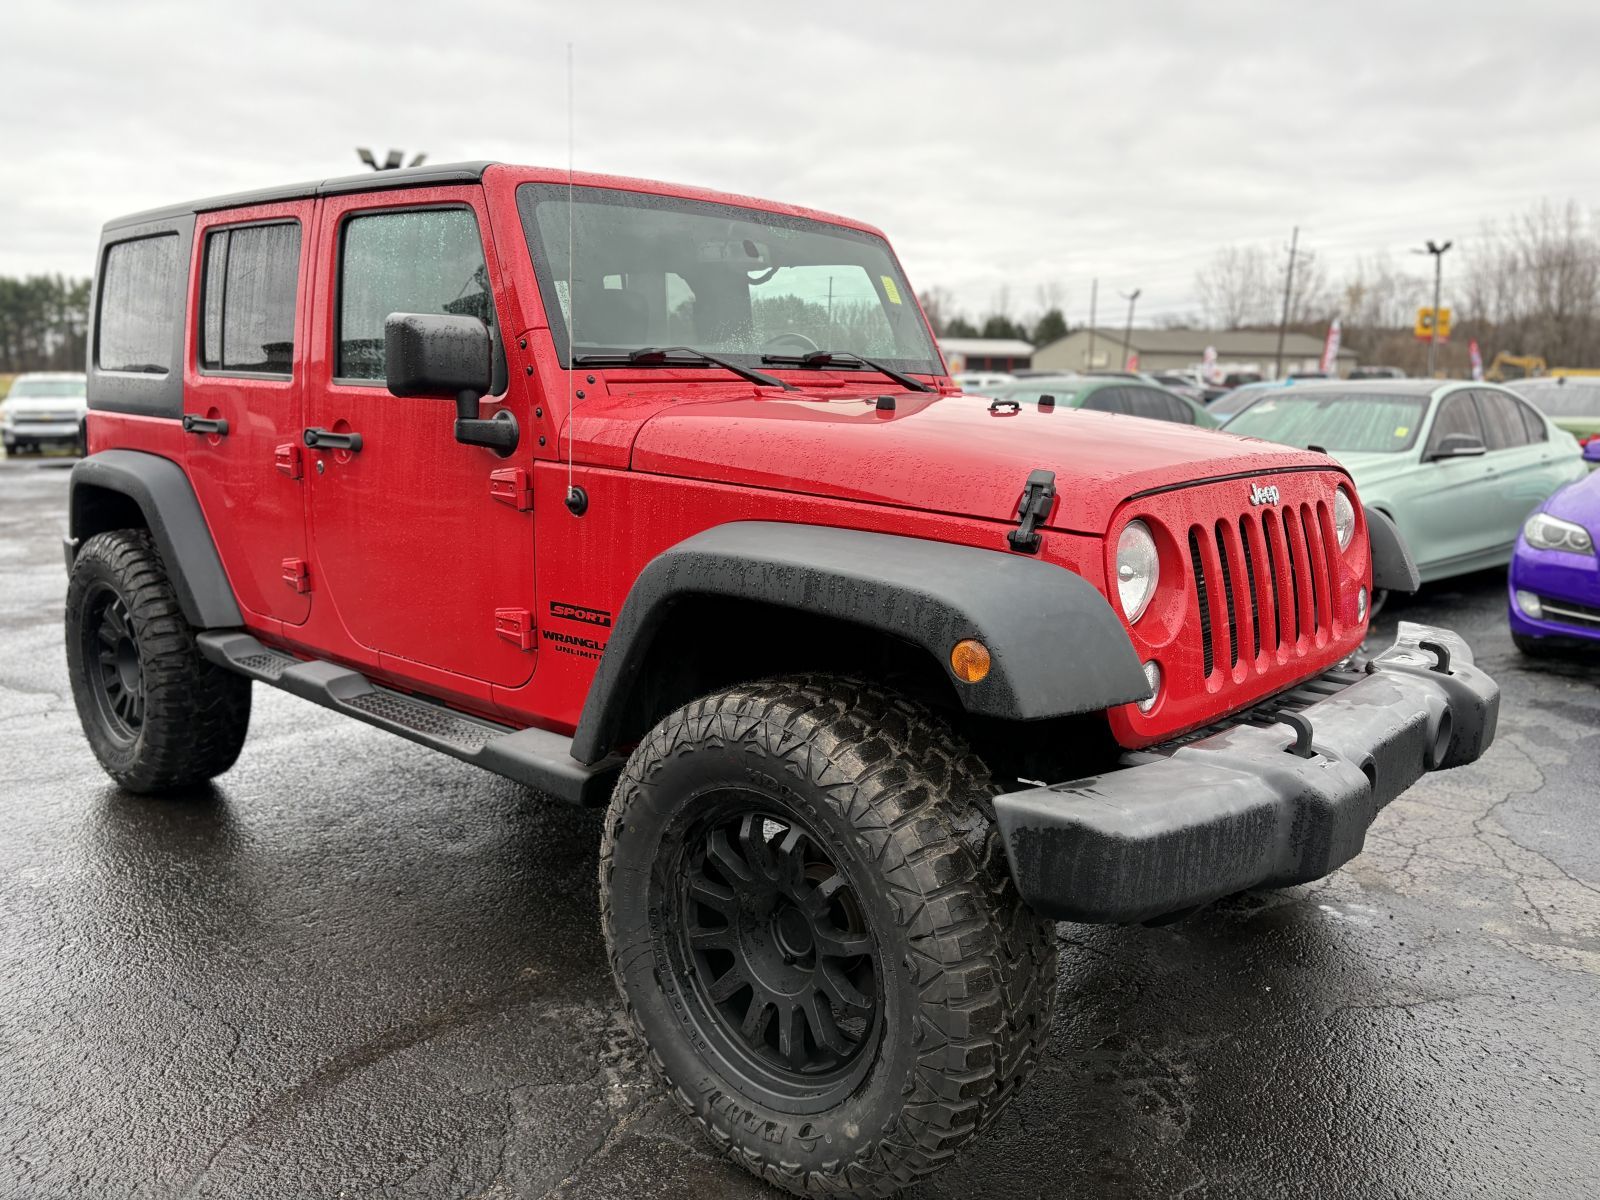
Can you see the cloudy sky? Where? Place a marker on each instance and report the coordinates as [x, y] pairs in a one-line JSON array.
[[1005, 148]]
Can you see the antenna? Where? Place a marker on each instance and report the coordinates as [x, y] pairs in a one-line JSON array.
[[577, 499]]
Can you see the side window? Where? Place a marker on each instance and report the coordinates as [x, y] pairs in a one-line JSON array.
[[1532, 422], [421, 261], [1457, 414], [1108, 399], [1178, 412], [137, 321], [247, 306], [1501, 422]]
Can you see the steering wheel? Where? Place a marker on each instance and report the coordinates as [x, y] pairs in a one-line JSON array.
[[781, 343]]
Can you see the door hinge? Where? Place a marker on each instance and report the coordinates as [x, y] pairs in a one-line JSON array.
[[297, 574], [511, 485], [287, 459], [515, 625]]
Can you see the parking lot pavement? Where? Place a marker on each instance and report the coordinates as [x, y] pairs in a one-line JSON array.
[[356, 968]]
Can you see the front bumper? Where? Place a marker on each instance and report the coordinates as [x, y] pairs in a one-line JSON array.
[[1253, 805], [1568, 586]]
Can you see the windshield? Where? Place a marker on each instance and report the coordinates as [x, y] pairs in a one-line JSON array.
[[1562, 399], [46, 387], [736, 282], [1353, 422]]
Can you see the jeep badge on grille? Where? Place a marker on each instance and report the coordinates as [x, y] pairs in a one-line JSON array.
[[1263, 495]]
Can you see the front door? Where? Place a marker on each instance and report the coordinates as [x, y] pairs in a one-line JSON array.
[[1453, 514], [244, 376], [426, 559]]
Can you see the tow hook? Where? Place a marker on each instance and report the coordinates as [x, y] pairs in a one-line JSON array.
[[1038, 494]]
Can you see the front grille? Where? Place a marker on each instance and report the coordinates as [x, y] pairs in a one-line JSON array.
[[1288, 608]]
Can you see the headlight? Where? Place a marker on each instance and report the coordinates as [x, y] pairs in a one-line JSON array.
[[1137, 569], [1545, 532], [1344, 518]]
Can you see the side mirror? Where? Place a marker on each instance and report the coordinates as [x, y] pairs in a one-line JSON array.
[[1457, 445], [1591, 450], [447, 358]]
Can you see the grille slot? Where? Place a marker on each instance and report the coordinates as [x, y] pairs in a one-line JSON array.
[[1205, 600], [1250, 582], [1227, 591]]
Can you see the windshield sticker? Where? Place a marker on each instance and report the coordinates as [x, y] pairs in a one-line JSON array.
[[1402, 430], [890, 290]]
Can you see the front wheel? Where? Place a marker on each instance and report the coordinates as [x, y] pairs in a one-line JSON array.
[[810, 938]]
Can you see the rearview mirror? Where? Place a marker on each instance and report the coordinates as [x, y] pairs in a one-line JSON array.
[[450, 358], [1457, 445], [1591, 450]]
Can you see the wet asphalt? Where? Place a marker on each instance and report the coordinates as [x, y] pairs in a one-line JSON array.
[[356, 968]]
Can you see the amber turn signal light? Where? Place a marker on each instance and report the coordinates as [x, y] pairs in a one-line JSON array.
[[970, 661]]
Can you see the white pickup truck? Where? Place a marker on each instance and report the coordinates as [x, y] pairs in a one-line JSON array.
[[44, 408]]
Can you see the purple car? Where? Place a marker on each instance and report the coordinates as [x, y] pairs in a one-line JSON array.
[[1555, 573]]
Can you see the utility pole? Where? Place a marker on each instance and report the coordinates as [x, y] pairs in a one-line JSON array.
[[1094, 296], [1127, 334], [1438, 271], [1288, 289]]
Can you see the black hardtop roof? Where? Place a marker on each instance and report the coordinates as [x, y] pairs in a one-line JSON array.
[[369, 181]]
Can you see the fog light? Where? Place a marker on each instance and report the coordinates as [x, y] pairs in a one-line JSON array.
[[970, 661], [1152, 676], [1530, 605], [1361, 605]]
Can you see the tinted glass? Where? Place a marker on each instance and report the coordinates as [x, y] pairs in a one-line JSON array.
[[1106, 399], [1354, 422], [250, 282], [429, 261], [1533, 423], [1457, 414], [137, 313], [1502, 424], [741, 282]]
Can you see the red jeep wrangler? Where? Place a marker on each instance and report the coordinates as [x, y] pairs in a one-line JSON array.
[[878, 680]]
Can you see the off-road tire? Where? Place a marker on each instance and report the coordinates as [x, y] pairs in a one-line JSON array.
[[966, 971], [193, 715]]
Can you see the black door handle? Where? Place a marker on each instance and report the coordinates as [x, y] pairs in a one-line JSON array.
[[327, 439], [194, 424]]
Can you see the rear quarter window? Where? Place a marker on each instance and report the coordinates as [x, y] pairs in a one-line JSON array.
[[137, 318]]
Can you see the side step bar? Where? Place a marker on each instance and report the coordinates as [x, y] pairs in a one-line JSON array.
[[535, 757]]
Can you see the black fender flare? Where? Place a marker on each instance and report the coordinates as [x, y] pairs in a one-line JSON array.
[[1393, 568], [1056, 645], [163, 494]]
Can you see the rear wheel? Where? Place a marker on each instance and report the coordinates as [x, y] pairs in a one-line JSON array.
[[813, 934], [157, 715]]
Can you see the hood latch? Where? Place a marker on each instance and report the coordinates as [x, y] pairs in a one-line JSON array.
[[1038, 494]]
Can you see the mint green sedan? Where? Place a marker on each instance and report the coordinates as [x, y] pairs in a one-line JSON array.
[[1458, 466]]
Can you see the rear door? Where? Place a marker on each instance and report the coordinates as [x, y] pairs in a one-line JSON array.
[[1452, 512], [423, 545], [1522, 474], [244, 378]]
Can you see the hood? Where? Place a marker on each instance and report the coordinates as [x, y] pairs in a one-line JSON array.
[[1578, 502], [948, 454], [1369, 469]]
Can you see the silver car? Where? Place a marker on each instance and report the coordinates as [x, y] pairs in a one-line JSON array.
[[44, 408]]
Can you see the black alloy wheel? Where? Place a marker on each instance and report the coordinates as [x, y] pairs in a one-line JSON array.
[[776, 943], [118, 671]]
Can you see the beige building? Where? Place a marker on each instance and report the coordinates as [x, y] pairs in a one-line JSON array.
[[1177, 349]]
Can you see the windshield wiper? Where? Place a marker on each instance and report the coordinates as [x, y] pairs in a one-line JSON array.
[[826, 358], [658, 356]]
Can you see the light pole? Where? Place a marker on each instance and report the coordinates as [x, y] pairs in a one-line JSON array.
[[1094, 296], [1433, 326], [1127, 333]]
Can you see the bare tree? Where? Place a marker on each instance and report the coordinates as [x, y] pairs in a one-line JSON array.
[[1235, 288]]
